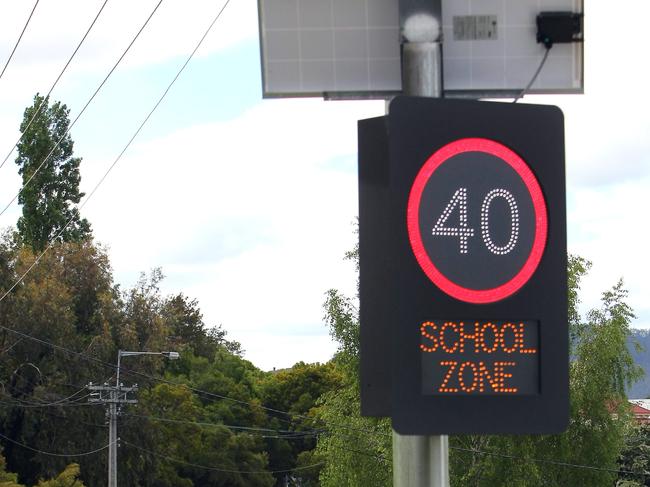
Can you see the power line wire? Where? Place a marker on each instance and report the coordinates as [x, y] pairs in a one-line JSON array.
[[117, 159], [38, 110], [69, 398], [35, 404], [58, 142], [16, 404], [19, 38], [218, 469], [199, 391], [74, 419], [550, 462], [51, 454], [282, 434]]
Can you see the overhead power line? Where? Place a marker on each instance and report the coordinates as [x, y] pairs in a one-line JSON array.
[[117, 159], [263, 432], [56, 81], [19, 38], [200, 392], [219, 396], [58, 142], [51, 454], [218, 469], [549, 462], [33, 404]]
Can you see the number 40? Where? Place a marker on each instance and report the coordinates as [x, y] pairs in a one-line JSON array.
[[464, 232]]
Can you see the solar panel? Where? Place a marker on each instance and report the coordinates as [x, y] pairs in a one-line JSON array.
[[351, 48]]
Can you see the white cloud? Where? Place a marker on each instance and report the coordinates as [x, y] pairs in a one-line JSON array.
[[608, 226], [246, 216], [57, 27], [175, 28]]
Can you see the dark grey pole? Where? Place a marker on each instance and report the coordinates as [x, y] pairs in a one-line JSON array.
[[421, 461]]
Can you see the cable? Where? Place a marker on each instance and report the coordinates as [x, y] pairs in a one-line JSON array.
[[198, 391], [289, 436], [11, 346], [82, 111], [219, 469], [15, 404], [280, 434], [550, 462], [126, 371], [76, 420], [532, 81], [38, 110], [67, 399], [117, 159], [19, 38], [33, 404], [36, 450]]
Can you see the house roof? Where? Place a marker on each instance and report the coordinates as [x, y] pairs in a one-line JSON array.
[[640, 406]]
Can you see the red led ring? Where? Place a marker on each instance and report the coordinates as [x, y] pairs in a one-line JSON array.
[[477, 296]]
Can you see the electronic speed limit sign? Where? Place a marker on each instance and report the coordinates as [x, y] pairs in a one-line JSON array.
[[477, 220], [463, 283]]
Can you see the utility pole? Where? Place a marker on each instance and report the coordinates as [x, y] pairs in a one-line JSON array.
[[114, 397], [421, 461]]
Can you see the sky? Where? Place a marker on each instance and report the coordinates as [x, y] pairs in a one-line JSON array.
[[249, 205]]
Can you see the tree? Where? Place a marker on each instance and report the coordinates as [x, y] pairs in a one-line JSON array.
[[50, 177], [356, 450], [296, 391], [187, 328], [7, 479], [68, 478], [635, 457]]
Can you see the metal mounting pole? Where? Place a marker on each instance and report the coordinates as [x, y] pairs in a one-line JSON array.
[[421, 461]]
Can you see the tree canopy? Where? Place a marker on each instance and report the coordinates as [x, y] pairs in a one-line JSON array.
[[50, 176]]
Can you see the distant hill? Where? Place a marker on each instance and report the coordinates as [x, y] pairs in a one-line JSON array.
[[641, 389]]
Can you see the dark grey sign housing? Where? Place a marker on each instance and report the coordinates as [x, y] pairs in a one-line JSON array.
[[463, 282]]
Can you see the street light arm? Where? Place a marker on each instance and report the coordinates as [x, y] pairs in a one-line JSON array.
[[127, 353]]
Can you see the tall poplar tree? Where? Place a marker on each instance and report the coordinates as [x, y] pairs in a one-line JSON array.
[[50, 174]]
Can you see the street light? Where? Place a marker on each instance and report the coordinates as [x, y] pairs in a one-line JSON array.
[[126, 353]]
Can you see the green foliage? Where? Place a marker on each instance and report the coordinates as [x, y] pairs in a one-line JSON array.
[[48, 198], [635, 457], [296, 390], [308, 468], [70, 299], [68, 478], [7, 479], [186, 326], [356, 450]]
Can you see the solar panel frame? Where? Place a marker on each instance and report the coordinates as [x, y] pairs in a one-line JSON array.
[[351, 49]]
